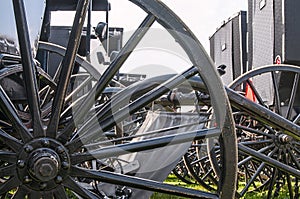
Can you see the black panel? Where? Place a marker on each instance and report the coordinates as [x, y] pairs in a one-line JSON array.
[[292, 31], [60, 35], [262, 33], [223, 50], [250, 34], [228, 46], [244, 30], [212, 48], [236, 48], [278, 29], [266, 24]]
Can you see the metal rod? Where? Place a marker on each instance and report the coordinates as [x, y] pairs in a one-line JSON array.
[[263, 114], [276, 92], [29, 67], [109, 73], [130, 92], [11, 113], [147, 133], [254, 131], [107, 30], [292, 96], [140, 183], [88, 29], [258, 97], [270, 161], [67, 67], [142, 101], [249, 182], [244, 161], [143, 145]]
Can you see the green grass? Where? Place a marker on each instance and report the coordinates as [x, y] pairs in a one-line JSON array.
[[250, 195]]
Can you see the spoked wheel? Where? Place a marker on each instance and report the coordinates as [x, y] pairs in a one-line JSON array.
[[82, 79], [269, 155], [202, 166], [11, 79], [52, 160], [182, 173]]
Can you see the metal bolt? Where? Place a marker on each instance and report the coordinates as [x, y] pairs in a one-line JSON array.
[[45, 142], [58, 179], [28, 148], [285, 139], [21, 164], [46, 170], [65, 165], [27, 179]]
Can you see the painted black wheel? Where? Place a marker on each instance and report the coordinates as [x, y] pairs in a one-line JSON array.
[[269, 155], [74, 153]]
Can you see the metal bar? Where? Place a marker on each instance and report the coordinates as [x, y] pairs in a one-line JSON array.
[[146, 133], [10, 141], [297, 119], [276, 91], [143, 145], [107, 31], [9, 184], [294, 158], [60, 193], [67, 67], [286, 160], [118, 100], [263, 114], [270, 161], [71, 184], [29, 67], [78, 88], [11, 113], [258, 97], [8, 157], [142, 101], [256, 174], [140, 183], [254, 131], [259, 151], [292, 97], [109, 73], [88, 29], [249, 182], [273, 179], [21, 192]]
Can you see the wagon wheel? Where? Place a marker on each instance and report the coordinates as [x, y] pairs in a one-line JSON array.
[[50, 160], [11, 78], [196, 160], [12, 82], [277, 88], [81, 80], [182, 173], [200, 165]]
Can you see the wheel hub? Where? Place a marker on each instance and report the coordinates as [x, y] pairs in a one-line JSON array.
[[43, 164]]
